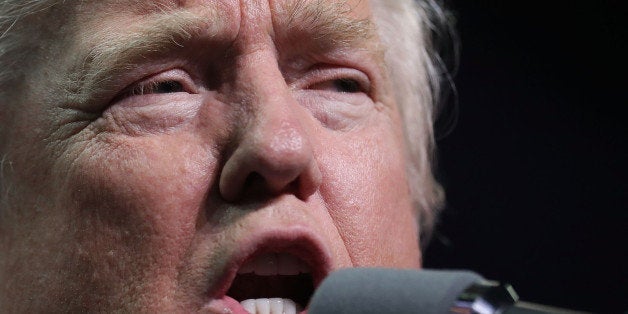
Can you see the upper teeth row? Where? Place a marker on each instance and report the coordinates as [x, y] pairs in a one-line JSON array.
[[270, 264]]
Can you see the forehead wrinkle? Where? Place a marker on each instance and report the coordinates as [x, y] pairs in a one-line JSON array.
[[134, 6], [326, 24], [110, 52]]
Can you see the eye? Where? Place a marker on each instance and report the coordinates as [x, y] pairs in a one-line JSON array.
[[159, 87], [341, 85], [168, 82], [347, 85]]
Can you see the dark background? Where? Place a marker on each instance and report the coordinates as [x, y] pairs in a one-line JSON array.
[[535, 168]]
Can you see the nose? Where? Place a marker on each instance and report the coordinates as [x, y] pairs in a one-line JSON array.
[[273, 151]]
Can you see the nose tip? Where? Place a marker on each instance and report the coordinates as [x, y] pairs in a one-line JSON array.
[[277, 158]]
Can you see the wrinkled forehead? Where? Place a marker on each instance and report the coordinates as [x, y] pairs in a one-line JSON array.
[[315, 24], [340, 18], [339, 22], [139, 6], [281, 10]]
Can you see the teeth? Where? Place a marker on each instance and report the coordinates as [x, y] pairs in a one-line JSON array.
[[270, 306], [270, 264], [249, 306]]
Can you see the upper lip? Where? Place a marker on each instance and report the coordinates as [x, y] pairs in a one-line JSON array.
[[298, 242]]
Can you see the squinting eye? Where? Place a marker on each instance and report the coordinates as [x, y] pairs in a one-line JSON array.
[[163, 87], [342, 85], [347, 86]]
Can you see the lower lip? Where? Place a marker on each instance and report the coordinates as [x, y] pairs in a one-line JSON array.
[[225, 305], [228, 305]]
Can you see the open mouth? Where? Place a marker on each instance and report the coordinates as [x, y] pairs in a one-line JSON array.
[[273, 283]]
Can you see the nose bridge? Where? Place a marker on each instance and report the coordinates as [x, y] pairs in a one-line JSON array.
[[259, 76], [273, 145], [274, 125]]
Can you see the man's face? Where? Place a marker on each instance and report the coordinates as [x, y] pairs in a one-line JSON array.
[[179, 157]]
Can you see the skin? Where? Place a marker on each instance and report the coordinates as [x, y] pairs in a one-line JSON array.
[[121, 201]]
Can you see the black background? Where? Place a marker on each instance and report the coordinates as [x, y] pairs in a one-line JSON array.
[[535, 168]]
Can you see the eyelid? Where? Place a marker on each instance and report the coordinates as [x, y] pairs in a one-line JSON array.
[[324, 75], [176, 75]]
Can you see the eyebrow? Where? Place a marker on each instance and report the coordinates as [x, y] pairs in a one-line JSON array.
[[319, 24], [110, 53], [324, 24]]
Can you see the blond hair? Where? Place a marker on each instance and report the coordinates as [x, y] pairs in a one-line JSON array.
[[412, 31]]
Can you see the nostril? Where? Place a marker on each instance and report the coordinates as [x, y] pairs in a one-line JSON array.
[[254, 180], [257, 186]]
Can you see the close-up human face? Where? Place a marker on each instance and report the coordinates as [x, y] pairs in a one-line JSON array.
[[185, 156]]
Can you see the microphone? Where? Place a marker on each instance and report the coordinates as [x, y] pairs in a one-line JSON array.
[[385, 290]]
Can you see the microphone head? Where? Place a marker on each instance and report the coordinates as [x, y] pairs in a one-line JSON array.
[[384, 290]]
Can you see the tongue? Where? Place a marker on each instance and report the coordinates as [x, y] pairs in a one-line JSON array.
[[270, 306]]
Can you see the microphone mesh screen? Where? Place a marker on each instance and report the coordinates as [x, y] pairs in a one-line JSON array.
[[382, 290]]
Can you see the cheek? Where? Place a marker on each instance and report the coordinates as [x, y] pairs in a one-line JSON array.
[[107, 213], [140, 197], [369, 200]]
